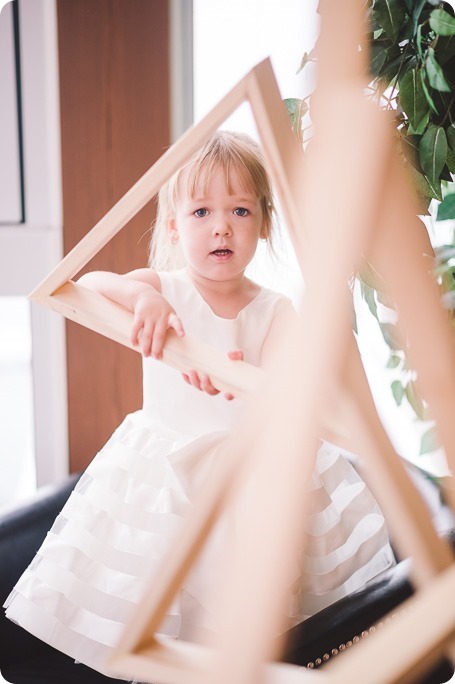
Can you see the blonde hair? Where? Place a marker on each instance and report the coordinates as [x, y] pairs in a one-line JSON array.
[[226, 150]]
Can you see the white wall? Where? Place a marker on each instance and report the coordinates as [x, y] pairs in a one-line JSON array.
[[231, 37], [29, 250]]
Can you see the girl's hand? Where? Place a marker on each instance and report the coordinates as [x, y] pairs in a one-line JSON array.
[[202, 381], [153, 316]]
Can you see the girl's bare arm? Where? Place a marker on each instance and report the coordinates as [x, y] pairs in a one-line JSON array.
[[139, 291]]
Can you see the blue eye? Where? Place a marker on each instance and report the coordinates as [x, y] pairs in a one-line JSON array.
[[241, 211], [200, 213]]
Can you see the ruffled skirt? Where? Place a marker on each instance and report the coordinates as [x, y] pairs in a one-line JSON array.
[[100, 556]]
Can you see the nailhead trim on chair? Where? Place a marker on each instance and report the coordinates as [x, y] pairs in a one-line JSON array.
[[314, 664]]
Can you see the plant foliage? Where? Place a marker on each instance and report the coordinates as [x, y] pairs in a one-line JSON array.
[[412, 65]]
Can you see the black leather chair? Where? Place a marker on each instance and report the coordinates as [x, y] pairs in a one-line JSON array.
[[27, 660], [24, 658]]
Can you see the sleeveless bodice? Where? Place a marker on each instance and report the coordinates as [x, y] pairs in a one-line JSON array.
[[166, 396]]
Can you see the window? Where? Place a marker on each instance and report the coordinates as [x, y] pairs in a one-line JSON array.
[[33, 443], [17, 461], [11, 187], [229, 39]]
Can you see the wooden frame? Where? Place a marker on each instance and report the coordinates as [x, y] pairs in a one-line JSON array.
[[330, 370], [61, 294]]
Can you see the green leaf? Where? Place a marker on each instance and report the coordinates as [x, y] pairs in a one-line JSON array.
[[416, 13], [393, 361], [450, 133], [420, 130], [391, 335], [396, 63], [378, 56], [382, 53], [389, 15], [397, 391], [429, 441], [296, 109], [435, 73], [371, 278], [428, 97], [445, 252], [409, 145], [442, 23], [415, 400], [408, 29], [450, 161], [419, 41], [433, 152], [423, 187], [446, 210], [307, 57], [412, 97], [368, 295], [436, 190]]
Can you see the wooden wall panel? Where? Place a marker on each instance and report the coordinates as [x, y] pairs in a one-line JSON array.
[[114, 93]]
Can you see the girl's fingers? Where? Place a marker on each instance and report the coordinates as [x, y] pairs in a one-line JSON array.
[[201, 382], [186, 378], [135, 330], [159, 335], [206, 385], [146, 337], [175, 323], [194, 379], [149, 335]]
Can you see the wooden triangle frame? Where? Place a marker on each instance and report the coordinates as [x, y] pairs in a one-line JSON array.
[[61, 294], [141, 652]]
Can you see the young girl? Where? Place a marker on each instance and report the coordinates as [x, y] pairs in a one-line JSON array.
[[110, 537]]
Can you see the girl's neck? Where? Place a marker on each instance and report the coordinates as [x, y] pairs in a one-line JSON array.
[[226, 298]]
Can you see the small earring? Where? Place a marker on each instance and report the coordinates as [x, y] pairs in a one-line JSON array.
[[174, 238]]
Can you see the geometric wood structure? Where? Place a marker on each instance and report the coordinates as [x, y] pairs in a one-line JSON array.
[[316, 366]]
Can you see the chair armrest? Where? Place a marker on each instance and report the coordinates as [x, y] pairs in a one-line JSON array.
[[22, 530], [344, 623]]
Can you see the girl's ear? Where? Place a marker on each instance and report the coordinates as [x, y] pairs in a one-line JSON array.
[[264, 234], [172, 231]]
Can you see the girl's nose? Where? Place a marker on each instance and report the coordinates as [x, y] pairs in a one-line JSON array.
[[221, 227]]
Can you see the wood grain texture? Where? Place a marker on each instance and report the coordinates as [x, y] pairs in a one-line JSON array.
[[114, 95]]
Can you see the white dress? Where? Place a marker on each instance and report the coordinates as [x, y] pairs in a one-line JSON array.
[[101, 553]]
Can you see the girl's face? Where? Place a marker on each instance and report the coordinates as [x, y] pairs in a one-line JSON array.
[[218, 231]]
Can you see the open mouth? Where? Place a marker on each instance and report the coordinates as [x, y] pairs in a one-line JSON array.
[[222, 252]]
